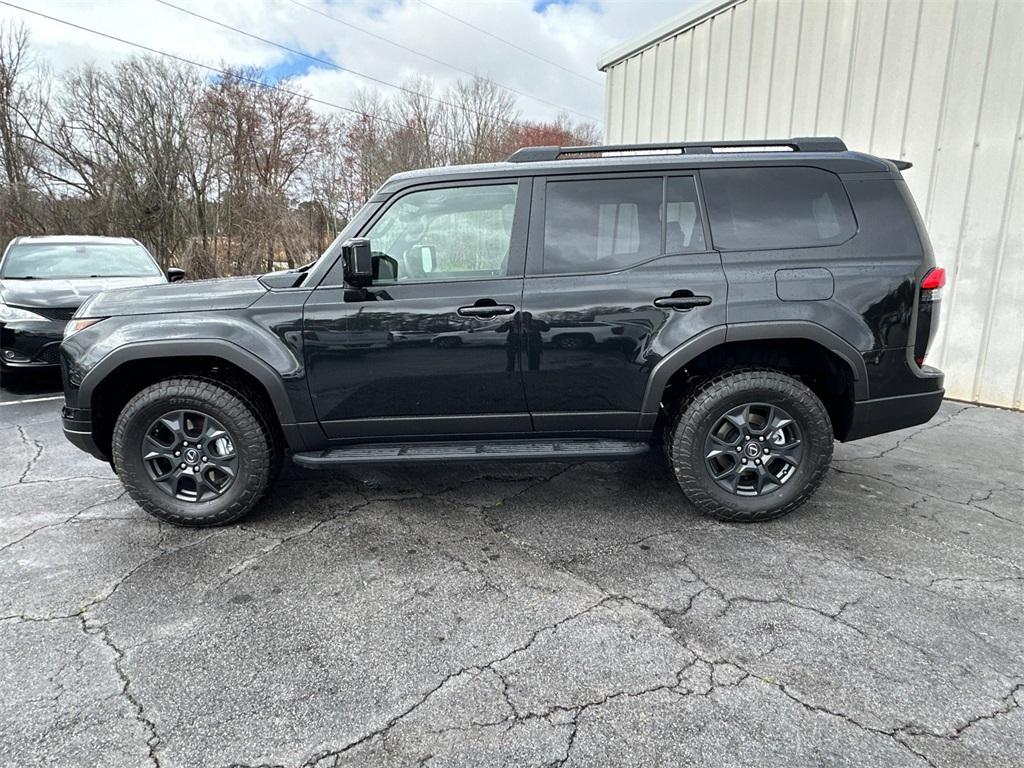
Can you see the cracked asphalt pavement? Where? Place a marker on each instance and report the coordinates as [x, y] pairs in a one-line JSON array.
[[525, 615]]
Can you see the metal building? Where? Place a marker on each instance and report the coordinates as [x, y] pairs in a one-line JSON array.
[[937, 82]]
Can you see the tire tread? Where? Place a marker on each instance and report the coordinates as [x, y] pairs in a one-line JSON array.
[[683, 426], [257, 440]]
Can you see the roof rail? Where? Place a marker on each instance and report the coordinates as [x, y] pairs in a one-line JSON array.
[[805, 144]]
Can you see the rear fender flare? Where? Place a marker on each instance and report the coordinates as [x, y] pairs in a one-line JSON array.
[[675, 360], [819, 334]]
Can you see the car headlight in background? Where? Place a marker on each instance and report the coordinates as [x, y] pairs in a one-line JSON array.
[[77, 324], [9, 314]]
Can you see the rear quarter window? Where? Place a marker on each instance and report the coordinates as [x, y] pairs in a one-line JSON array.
[[771, 208]]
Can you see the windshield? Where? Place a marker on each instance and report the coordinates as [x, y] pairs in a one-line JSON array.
[[63, 261]]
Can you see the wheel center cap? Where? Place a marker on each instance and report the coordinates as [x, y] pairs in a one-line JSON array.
[[753, 450], [191, 456]]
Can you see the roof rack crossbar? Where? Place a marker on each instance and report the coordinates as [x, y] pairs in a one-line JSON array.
[[804, 144]]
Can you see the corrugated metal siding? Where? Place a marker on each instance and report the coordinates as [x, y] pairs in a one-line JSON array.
[[936, 82]]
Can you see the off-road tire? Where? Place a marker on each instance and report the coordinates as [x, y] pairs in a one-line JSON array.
[[696, 416], [258, 455]]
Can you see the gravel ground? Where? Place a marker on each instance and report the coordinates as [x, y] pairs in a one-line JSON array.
[[525, 615]]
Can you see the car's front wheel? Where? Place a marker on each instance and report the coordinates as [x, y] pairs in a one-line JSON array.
[[750, 445], [192, 452]]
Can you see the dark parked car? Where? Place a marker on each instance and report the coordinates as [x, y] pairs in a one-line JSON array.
[[43, 280], [771, 299]]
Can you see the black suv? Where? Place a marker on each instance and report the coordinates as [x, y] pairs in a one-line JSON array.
[[743, 304]]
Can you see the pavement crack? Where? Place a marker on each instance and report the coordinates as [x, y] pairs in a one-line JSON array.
[[893, 734], [777, 600], [65, 521], [927, 428], [318, 760], [1010, 702], [33, 444], [234, 570], [149, 727]]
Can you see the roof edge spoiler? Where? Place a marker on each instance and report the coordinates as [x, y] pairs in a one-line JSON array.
[[901, 165]]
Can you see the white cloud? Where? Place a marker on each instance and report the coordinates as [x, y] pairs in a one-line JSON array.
[[571, 33]]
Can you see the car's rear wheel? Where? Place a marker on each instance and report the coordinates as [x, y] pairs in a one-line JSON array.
[[192, 452], [750, 445]]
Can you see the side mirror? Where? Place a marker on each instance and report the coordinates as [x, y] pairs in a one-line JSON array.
[[358, 262], [175, 275]]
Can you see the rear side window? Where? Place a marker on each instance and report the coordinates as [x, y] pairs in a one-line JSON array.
[[765, 208], [601, 224], [684, 232]]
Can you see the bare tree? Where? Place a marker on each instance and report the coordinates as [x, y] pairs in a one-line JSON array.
[[230, 176], [23, 89]]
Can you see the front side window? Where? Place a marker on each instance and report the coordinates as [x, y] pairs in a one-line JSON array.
[[599, 225], [767, 208], [65, 261], [448, 234]]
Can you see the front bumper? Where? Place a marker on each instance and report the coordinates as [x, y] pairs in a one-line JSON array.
[[32, 344], [77, 424]]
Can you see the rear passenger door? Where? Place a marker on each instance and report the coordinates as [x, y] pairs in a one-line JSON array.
[[618, 274]]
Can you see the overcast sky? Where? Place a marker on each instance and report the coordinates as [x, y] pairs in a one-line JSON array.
[[570, 33]]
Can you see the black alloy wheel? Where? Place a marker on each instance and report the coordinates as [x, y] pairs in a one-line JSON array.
[[194, 451], [753, 449], [190, 455], [749, 444]]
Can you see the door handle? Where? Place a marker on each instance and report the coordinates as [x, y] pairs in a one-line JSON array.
[[486, 310], [682, 302]]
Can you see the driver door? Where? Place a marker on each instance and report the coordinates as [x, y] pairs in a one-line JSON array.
[[431, 350]]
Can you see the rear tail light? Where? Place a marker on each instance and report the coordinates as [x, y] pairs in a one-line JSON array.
[[932, 283], [927, 311]]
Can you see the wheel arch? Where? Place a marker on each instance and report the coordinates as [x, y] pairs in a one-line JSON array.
[[829, 365], [130, 368]]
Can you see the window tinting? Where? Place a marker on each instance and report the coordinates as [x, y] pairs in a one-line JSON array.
[[448, 234], [684, 231], [763, 208], [602, 224]]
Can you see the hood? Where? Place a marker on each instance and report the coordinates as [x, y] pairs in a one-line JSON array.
[[66, 294], [202, 295]]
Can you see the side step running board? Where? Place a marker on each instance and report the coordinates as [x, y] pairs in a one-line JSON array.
[[570, 449]]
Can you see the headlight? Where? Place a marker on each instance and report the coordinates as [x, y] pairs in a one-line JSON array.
[[9, 314], [79, 324]]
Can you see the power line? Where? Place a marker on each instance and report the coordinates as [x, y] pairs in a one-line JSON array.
[[428, 57], [236, 75], [510, 43], [328, 63]]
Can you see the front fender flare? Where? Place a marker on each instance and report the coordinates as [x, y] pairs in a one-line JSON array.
[[225, 350]]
